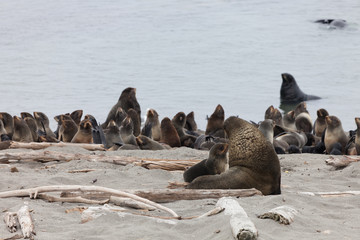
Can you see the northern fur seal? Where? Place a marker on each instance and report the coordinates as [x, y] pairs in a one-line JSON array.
[[76, 116], [334, 133], [67, 128], [179, 121], [190, 122], [215, 124], [151, 127], [290, 91], [320, 123], [333, 23], [126, 101], [8, 122], [169, 134], [22, 132], [112, 135], [43, 124], [30, 121], [127, 131], [84, 134], [253, 162], [135, 120], [274, 114], [303, 120], [214, 164], [146, 143]]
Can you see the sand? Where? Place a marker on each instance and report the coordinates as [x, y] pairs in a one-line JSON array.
[[318, 217]]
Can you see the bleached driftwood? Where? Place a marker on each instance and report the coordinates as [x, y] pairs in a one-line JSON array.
[[341, 162], [331, 194], [26, 223], [33, 192], [241, 225], [42, 145], [48, 156], [11, 220], [70, 199], [282, 214], [171, 195], [127, 202]]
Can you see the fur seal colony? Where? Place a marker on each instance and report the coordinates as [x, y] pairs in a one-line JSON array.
[[252, 147]]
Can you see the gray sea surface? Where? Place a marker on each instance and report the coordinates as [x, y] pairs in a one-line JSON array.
[[180, 55]]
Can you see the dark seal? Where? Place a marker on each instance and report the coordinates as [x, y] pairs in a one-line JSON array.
[[290, 93]]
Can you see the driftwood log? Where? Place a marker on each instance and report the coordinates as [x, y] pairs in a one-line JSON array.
[[171, 195], [241, 225], [26, 223], [42, 145], [33, 193], [48, 156], [282, 214], [331, 194]]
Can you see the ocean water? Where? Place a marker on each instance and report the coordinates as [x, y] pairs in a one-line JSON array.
[[180, 55]]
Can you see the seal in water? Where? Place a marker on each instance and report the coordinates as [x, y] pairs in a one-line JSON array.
[[290, 92]]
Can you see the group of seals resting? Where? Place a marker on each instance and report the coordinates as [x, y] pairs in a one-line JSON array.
[[253, 162]]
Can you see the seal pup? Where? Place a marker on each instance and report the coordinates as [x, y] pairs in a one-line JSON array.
[[30, 121], [126, 131], [135, 120], [67, 129], [320, 123], [253, 162], [126, 101], [146, 143], [290, 91], [215, 164], [289, 120], [152, 123], [97, 131], [112, 135], [22, 132], [26, 114], [169, 134], [303, 120], [215, 124], [42, 122], [84, 133], [267, 128], [275, 115], [76, 116], [8, 122], [334, 133], [190, 122], [179, 121]]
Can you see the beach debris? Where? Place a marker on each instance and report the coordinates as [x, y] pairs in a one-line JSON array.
[[331, 194], [26, 223], [241, 225], [174, 185], [283, 214], [42, 145], [11, 220], [94, 212], [49, 156], [127, 202], [82, 171], [33, 193], [341, 162]]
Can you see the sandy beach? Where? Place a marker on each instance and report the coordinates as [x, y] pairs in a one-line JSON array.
[[318, 217]]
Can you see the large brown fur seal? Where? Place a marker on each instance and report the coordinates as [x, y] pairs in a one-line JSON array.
[[214, 164], [253, 162], [169, 134], [126, 101], [334, 133], [215, 124], [22, 132]]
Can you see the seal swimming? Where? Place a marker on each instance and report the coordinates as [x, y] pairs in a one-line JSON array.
[[290, 92]]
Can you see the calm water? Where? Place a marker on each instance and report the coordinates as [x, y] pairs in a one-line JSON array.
[[181, 55]]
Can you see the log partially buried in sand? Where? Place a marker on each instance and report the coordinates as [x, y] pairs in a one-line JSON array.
[[241, 225], [282, 214], [11, 221], [42, 145], [26, 223]]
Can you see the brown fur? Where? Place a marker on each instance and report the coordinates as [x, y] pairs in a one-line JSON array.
[[215, 124], [274, 114], [67, 129], [253, 162], [76, 116], [84, 133], [127, 131], [8, 122], [30, 121], [22, 132], [320, 123], [146, 143], [334, 133], [169, 134], [43, 124], [136, 121], [357, 136], [190, 122], [152, 117]]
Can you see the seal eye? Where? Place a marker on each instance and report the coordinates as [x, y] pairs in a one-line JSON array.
[[221, 148]]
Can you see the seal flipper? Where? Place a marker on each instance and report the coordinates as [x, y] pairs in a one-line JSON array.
[[147, 130]]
